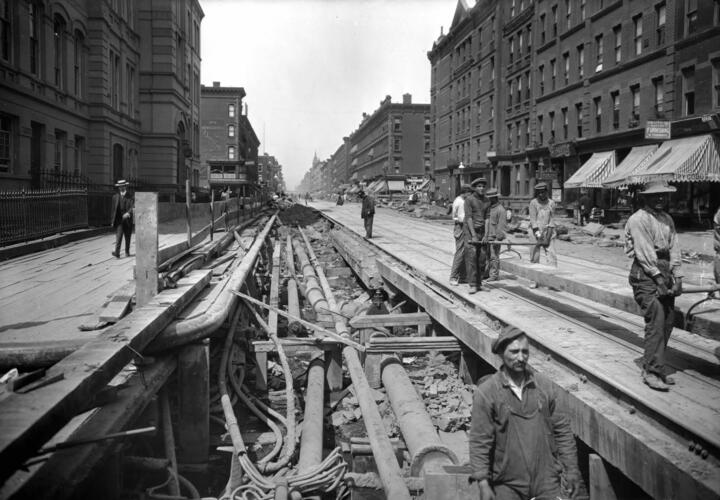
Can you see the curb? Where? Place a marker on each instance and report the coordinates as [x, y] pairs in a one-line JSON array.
[[21, 249]]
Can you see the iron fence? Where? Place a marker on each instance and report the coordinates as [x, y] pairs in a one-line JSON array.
[[26, 215]]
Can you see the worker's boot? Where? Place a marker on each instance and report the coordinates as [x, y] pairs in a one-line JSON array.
[[654, 382]]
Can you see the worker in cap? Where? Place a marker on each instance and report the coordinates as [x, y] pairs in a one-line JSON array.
[[495, 229], [457, 270], [476, 210], [517, 432], [655, 277], [542, 225]]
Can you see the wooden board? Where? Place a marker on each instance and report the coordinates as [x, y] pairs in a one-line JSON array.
[[146, 256], [118, 305], [397, 319], [29, 420]]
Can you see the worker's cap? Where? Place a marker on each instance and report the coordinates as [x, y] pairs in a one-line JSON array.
[[658, 187], [121, 183], [466, 187], [380, 293], [507, 335], [479, 181], [492, 193], [361, 193], [540, 186]]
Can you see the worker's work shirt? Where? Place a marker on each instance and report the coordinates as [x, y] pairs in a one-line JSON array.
[[520, 441], [541, 214], [650, 235], [458, 209], [475, 213], [496, 222]]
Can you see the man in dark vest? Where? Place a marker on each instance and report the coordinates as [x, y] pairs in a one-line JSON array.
[[123, 205]]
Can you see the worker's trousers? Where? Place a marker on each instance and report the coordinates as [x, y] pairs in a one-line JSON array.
[[475, 258], [457, 271], [493, 261], [368, 220], [550, 252], [658, 312], [124, 229]]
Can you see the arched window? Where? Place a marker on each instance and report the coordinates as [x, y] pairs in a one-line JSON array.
[[79, 63], [59, 26], [118, 160], [35, 35]]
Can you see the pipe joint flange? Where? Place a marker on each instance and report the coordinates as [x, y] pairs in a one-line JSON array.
[[417, 462]]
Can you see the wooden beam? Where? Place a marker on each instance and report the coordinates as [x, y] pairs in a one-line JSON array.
[[412, 344], [398, 319], [193, 427], [600, 485], [295, 344], [59, 477], [29, 420], [146, 247]]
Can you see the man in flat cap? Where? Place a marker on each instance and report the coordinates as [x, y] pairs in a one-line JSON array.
[[123, 206], [655, 277], [476, 209], [519, 441], [542, 225], [457, 271], [495, 228]]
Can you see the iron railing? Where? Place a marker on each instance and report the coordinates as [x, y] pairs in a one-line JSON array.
[[26, 215]]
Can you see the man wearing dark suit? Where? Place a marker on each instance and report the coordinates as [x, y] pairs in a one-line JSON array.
[[122, 217], [367, 212]]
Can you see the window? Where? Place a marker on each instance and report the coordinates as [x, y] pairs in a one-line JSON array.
[[553, 73], [635, 91], [79, 63], [566, 66], [519, 89], [512, 8], [597, 106], [690, 17], [231, 111], [396, 124], [615, 97], [637, 26], [521, 43], [527, 85], [231, 152], [564, 112], [511, 48], [526, 128], [554, 21], [231, 130], [509, 137], [551, 115], [59, 52], [60, 140], [540, 129], [716, 83], [511, 91], [617, 34], [492, 68], [397, 145], [568, 14], [427, 145], [518, 131], [582, 9], [529, 39], [541, 79], [34, 17], [599, 53], [542, 28], [688, 84], [660, 20], [79, 155], [5, 30], [130, 88], [492, 108], [427, 125], [658, 84], [581, 61], [716, 13], [114, 62], [579, 119], [6, 143]]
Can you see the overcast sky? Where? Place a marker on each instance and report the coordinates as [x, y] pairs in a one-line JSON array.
[[310, 68]]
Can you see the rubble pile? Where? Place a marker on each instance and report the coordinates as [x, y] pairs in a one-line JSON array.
[[348, 411]]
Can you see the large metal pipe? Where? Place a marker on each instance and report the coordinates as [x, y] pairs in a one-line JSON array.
[[293, 299], [312, 290], [383, 452], [312, 427], [427, 452]]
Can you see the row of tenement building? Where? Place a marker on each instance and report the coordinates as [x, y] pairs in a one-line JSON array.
[[562, 91], [93, 91]]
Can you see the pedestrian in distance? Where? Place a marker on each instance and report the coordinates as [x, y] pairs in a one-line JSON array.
[[520, 442], [476, 207], [123, 206], [655, 277], [542, 225], [495, 229], [583, 208], [458, 271], [367, 212]]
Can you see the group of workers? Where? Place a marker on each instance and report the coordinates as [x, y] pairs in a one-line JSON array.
[[481, 224]]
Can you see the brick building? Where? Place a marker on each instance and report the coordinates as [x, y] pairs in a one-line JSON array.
[[577, 83], [270, 174], [228, 144], [98, 91]]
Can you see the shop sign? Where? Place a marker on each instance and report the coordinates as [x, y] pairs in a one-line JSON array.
[[657, 129], [546, 172], [561, 150]]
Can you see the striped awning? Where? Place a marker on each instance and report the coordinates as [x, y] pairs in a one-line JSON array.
[[376, 186], [593, 172], [636, 160], [424, 186], [691, 159]]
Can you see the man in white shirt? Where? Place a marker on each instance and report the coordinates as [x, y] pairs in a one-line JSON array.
[[457, 271]]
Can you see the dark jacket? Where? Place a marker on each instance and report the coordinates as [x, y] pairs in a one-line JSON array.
[[368, 207], [120, 206], [476, 211]]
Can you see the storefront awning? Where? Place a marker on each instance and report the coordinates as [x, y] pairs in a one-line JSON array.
[[395, 185], [637, 158], [354, 189], [425, 186], [691, 159], [593, 172], [375, 186]]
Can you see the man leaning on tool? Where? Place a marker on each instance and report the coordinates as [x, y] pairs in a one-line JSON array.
[[457, 271], [542, 225], [519, 440], [367, 212], [495, 228], [476, 207], [122, 217], [651, 241]]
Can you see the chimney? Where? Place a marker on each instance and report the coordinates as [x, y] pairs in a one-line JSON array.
[[407, 98], [216, 84]]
